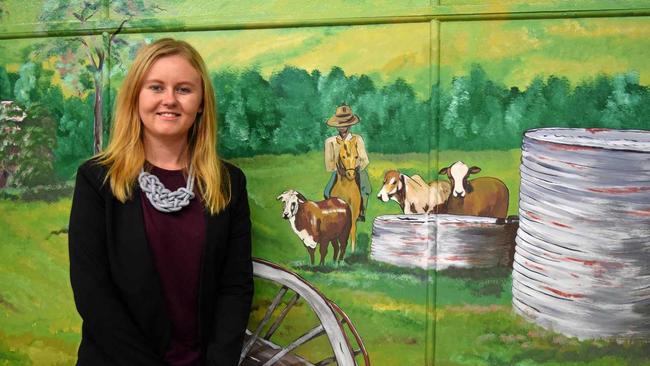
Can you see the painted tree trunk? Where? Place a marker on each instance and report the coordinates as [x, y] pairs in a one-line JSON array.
[[98, 125]]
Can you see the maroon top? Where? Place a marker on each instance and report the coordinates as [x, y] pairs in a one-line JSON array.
[[176, 241]]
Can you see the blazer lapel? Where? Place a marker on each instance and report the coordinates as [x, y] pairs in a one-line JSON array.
[[216, 233], [136, 273], [133, 253]]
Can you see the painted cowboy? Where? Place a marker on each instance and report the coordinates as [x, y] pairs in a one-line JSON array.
[[342, 120]]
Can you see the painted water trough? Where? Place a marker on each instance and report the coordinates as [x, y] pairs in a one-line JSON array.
[[443, 241], [582, 261]]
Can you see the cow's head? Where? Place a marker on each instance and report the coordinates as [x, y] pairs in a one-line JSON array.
[[291, 199], [458, 174], [393, 183]]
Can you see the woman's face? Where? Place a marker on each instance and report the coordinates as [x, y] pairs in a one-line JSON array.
[[170, 98]]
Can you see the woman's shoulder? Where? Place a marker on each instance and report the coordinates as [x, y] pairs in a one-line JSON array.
[[93, 170], [235, 174]]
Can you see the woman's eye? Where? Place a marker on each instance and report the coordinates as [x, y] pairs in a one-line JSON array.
[[155, 87], [184, 90]]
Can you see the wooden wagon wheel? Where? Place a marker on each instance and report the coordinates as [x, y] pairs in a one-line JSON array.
[[260, 350]]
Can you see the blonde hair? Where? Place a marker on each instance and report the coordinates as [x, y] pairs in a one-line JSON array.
[[124, 156]]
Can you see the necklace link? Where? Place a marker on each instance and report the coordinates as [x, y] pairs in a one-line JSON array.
[[161, 198]]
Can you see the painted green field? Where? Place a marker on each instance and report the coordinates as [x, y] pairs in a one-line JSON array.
[[388, 305]]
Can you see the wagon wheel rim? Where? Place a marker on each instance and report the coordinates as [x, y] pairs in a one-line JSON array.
[[345, 321], [330, 325]]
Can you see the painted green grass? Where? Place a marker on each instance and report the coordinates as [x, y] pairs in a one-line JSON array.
[[269, 175], [37, 314], [475, 324]]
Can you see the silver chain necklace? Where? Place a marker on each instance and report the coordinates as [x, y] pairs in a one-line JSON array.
[[161, 198]]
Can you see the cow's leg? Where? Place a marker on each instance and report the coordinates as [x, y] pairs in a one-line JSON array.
[[323, 252], [335, 245], [343, 243], [311, 255]]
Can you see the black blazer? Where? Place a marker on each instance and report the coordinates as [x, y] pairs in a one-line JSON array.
[[117, 290]]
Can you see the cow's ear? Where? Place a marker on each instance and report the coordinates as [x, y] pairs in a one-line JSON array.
[[400, 182], [301, 198], [279, 197], [443, 171], [474, 170]]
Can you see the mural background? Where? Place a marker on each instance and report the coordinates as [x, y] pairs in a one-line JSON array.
[[431, 86]]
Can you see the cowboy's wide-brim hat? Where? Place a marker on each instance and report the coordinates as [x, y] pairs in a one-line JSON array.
[[343, 117]]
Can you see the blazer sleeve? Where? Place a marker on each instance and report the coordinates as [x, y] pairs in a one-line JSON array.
[[105, 317], [235, 284]]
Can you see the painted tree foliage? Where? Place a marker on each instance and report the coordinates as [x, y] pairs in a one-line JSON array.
[[55, 134], [477, 113], [287, 113], [82, 61], [26, 146]]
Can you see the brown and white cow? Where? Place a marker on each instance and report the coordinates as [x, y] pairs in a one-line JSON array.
[[318, 223], [413, 194], [484, 196]]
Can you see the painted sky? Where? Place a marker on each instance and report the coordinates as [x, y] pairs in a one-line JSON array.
[[286, 9], [514, 52], [384, 52]]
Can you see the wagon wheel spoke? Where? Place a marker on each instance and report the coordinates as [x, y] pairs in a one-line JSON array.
[[330, 326], [313, 333], [249, 344], [283, 314]]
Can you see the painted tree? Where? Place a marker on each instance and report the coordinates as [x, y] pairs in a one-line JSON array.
[[234, 127], [259, 108], [588, 100], [297, 112], [456, 108], [81, 61], [26, 146], [334, 88], [5, 85], [11, 125], [406, 126], [621, 110]]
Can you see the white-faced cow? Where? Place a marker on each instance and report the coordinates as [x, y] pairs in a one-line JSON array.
[[484, 196], [318, 223], [413, 194]]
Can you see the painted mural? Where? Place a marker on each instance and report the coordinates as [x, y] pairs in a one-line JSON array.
[[484, 203]]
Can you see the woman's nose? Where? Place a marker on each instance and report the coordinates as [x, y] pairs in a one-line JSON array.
[[169, 97]]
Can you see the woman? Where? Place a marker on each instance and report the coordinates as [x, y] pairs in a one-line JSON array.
[[159, 235]]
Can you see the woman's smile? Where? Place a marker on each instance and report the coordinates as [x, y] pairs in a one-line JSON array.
[[169, 116]]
